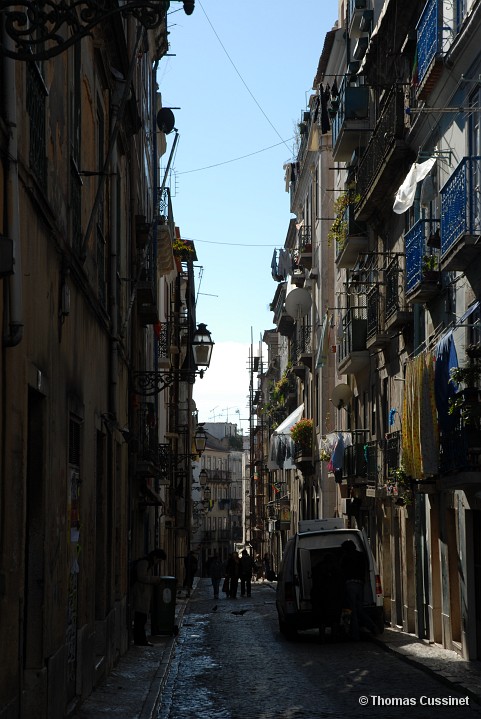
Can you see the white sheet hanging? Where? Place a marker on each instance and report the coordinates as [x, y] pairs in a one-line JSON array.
[[405, 195]]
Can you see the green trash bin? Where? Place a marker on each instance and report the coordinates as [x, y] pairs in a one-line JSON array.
[[163, 607]]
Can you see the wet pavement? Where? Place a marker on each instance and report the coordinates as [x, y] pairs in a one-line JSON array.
[[134, 688]]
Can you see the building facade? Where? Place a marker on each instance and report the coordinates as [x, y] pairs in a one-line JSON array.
[[98, 317], [391, 379]]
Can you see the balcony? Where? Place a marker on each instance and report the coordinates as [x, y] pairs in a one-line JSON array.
[[360, 17], [283, 321], [303, 254], [165, 233], [461, 215], [354, 242], [392, 453], [147, 447], [353, 355], [350, 124], [355, 459], [372, 455], [429, 48], [147, 288], [423, 279], [397, 313], [460, 457], [301, 346], [376, 336], [382, 165]]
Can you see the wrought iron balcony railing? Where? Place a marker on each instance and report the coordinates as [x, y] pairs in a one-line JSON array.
[[385, 142], [429, 37], [354, 331], [351, 118], [372, 453], [392, 453], [374, 312], [301, 344], [422, 262], [355, 457], [461, 213], [395, 305]]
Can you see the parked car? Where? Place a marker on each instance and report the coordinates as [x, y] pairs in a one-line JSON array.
[[304, 603]]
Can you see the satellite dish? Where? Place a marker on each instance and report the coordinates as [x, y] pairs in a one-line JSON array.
[[341, 396], [298, 302], [165, 120]]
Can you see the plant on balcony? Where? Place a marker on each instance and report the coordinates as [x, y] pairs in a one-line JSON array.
[[466, 401], [430, 267], [182, 248], [301, 434], [340, 227], [399, 485]]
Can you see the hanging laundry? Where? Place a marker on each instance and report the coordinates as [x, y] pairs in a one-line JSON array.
[[405, 195], [325, 124]]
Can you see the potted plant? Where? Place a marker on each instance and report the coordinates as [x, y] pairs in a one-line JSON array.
[[401, 486], [182, 248], [340, 227], [466, 401], [301, 434], [430, 268]]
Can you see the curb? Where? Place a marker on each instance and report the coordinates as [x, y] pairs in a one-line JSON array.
[[154, 695], [424, 666]]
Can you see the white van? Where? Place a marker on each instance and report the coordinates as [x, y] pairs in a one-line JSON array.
[[318, 544]]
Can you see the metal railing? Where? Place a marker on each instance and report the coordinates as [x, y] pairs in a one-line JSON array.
[[374, 312], [394, 288], [416, 252], [392, 453], [389, 128], [461, 203], [429, 36], [354, 327]]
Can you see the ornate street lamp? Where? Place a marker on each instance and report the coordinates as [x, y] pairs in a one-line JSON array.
[[153, 382], [202, 346], [41, 30], [203, 477], [207, 493], [200, 440]]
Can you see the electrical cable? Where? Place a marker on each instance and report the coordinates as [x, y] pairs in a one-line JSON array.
[[241, 78], [235, 159]]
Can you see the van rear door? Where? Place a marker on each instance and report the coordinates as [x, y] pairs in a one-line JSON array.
[[305, 578]]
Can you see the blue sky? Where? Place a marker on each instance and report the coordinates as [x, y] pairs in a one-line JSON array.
[[241, 75]]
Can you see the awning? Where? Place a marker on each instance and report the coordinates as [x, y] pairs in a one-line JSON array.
[[290, 421], [281, 446]]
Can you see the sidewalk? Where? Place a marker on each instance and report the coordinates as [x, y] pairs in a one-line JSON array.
[[446, 665], [133, 689]]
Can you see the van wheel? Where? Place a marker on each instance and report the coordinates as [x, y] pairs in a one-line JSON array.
[[287, 631]]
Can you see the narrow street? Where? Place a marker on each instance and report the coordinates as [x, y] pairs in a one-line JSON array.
[[229, 664]]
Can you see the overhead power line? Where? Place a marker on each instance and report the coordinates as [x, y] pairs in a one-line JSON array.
[[235, 159]]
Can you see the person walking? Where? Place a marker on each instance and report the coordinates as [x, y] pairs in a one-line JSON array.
[[143, 582], [266, 567], [190, 564], [232, 571], [353, 568], [245, 573], [216, 572]]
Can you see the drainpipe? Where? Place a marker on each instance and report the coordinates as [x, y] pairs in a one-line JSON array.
[[13, 306], [119, 90]]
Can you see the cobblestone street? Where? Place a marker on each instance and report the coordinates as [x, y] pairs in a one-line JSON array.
[[233, 662]]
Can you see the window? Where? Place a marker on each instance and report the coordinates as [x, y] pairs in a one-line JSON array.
[[36, 108]]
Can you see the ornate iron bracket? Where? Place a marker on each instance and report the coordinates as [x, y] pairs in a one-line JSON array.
[[33, 24], [149, 384]]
